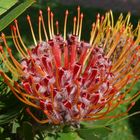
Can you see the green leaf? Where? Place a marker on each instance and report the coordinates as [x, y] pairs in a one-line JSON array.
[[6, 20], [69, 136], [1, 130], [7, 138], [10, 108], [94, 134], [121, 131], [49, 138], [9, 116], [2, 105], [28, 131], [15, 125], [94, 124], [6, 4]]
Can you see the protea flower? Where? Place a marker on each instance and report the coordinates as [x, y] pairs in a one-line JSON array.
[[70, 80]]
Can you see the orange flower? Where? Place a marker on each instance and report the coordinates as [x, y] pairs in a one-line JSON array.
[[71, 80]]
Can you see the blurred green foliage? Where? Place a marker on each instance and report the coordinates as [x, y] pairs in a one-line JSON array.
[[5, 5], [13, 13]]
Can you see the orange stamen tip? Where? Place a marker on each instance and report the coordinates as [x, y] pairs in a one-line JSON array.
[[93, 25], [52, 14], [82, 15], [102, 17], [48, 9], [56, 22], [40, 12], [67, 12], [78, 8], [98, 15], [28, 17], [133, 103], [74, 19], [15, 21], [2, 34]]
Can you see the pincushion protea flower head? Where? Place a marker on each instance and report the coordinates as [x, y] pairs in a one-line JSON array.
[[70, 80]]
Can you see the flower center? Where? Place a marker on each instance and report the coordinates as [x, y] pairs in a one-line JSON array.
[[66, 86]]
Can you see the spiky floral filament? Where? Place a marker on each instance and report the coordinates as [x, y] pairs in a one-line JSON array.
[[43, 24], [70, 80], [32, 31]]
